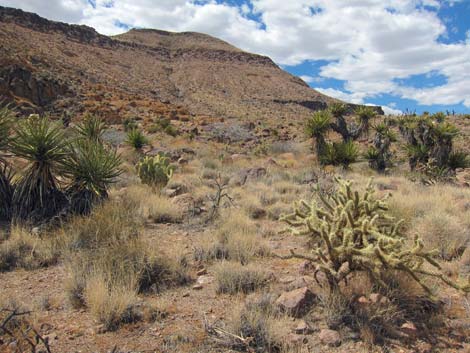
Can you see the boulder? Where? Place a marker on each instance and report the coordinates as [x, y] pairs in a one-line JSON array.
[[330, 337], [296, 302]]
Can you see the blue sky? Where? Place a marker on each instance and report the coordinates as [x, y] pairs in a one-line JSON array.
[[402, 54]]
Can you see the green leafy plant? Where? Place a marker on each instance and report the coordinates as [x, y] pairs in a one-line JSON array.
[[340, 153], [129, 124], [92, 168], [379, 155], [43, 145], [365, 114], [458, 159], [91, 128], [136, 139], [155, 171], [317, 126], [353, 232]]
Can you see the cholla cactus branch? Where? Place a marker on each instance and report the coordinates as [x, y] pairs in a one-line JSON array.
[[352, 232]]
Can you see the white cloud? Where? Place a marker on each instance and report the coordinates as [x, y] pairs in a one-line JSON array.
[[391, 111], [369, 43]]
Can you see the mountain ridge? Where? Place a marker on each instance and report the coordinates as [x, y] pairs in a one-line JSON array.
[[56, 68]]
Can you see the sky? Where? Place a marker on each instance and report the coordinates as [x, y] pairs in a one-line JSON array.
[[405, 55]]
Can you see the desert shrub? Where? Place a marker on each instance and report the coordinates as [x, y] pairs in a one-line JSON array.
[[130, 124], [235, 278], [28, 251], [317, 127], [161, 209], [429, 140], [91, 168], [458, 159], [42, 144], [163, 125], [260, 325], [136, 139], [235, 239], [353, 232], [91, 128], [155, 171], [340, 153], [114, 264], [7, 189]]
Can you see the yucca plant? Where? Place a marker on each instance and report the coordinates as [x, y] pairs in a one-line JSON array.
[[40, 142], [458, 159], [317, 126], [92, 168], [6, 174], [365, 114], [92, 128], [155, 171], [340, 153], [338, 109], [136, 139]]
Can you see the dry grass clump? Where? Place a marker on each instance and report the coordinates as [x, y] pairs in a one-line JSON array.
[[233, 278], [255, 326], [154, 207], [236, 238], [110, 265], [22, 249]]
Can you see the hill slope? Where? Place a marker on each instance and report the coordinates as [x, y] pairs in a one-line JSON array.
[[57, 67]]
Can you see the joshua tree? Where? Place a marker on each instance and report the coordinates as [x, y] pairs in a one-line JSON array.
[[379, 154], [353, 130]]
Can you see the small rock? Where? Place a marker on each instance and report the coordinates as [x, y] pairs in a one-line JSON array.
[[171, 192], [294, 339], [330, 337], [197, 287], [185, 294], [306, 267], [375, 297], [409, 328], [303, 328], [201, 272], [205, 279], [363, 300], [296, 302], [182, 161]]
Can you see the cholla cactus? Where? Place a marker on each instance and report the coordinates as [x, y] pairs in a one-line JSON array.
[[352, 232], [155, 171]]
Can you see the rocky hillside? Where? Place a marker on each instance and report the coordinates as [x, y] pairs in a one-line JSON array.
[[56, 67]]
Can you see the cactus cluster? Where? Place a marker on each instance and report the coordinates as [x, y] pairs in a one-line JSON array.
[[352, 232], [155, 171]]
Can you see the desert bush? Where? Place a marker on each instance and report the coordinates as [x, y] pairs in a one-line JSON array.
[[354, 233], [340, 153], [136, 139], [429, 140], [317, 127], [458, 159], [91, 128], [92, 168], [163, 125], [42, 144], [255, 326], [235, 278], [155, 171], [129, 124], [24, 250], [235, 239]]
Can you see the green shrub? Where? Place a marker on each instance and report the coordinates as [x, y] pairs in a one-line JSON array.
[[91, 168], [458, 159], [91, 128], [155, 171], [136, 139], [129, 124], [340, 153], [42, 143]]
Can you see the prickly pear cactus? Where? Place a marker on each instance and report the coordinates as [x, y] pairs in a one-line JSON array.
[[353, 232], [155, 171]]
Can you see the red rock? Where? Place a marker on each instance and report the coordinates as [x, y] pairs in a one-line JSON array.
[[296, 302], [330, 337]]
